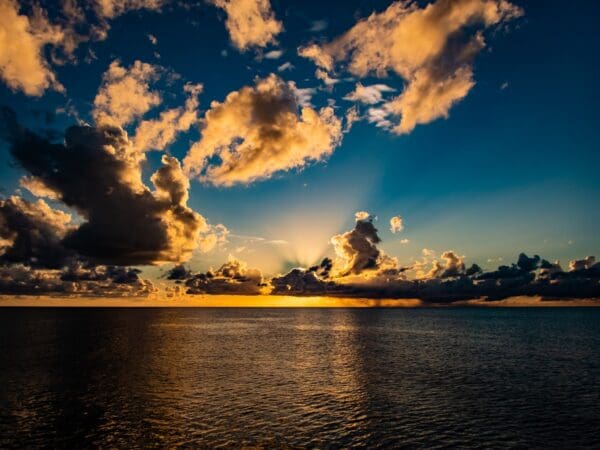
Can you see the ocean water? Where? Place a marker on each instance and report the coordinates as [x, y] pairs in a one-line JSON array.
[[287, 378]]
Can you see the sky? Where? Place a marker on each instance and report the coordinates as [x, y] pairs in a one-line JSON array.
[[360, 148]]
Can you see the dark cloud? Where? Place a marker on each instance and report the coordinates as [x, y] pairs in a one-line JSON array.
[[77, 280], [233, 277], [97, 172], [178, 273], [301, 282], [32, 234], [529, 276]]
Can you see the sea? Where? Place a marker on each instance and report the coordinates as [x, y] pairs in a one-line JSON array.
[[299, 378]]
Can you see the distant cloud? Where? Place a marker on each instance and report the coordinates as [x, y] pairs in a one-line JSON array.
[[430, 48], [233, 277], [396, 224], [74, 281], [214, 236], [250, 23], [274, 54], [285, 66], [325, 78], [368, 95], [451, 282], [258, 131], [318, 25], [152, 39], [405, 241]]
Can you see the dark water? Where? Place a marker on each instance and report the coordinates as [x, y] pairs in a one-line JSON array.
[[302, 377]]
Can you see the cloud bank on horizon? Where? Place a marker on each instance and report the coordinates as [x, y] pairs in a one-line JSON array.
[[94, 212]]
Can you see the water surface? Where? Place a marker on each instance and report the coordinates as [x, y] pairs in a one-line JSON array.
[[299, 377]]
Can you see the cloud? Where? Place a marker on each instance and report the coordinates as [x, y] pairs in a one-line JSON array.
[[352, 116], [214, 236], [153, 40], [250, 23], [113, 8], [582, 264], [31, 233], [396, 224], [285, 66], [318, 25], [426, 98], [125, 94], [325, 78], [233, 277], [431, 48], [357, 249], [22, 40], [451, 283], [299, 282], [179, 272], [274, 54], [379, 116], [157, 134], [97, 172], [362, 215], [369, 95], [105, 281], [259, 131]]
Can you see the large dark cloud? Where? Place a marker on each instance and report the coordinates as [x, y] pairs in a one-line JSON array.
[[97, 172], [32, 234]]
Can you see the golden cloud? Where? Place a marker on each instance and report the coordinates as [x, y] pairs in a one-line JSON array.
[[258, 131], [125, 94], [430, 48], [22, 41], [250, 23]]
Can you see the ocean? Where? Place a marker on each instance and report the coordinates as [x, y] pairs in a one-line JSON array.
[[300, 378]]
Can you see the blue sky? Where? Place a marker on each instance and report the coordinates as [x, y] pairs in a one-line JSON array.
[[513, 168]]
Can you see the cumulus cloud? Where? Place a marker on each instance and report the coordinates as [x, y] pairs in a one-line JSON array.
[[25, 38], [357, 250], [432, 48], [369, 95], [31, 233], [259, 131], [452, 282], [78, 280], [233, 277], [250, 23], [582, 264], [22, 40], [157, 134], [396, 224], [125, 94], [97, 172]]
